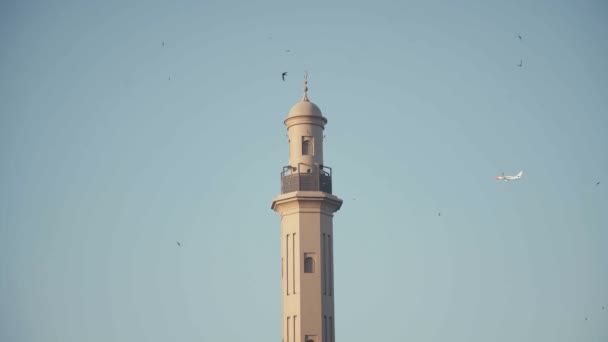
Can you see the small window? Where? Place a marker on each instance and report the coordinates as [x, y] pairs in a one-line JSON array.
[[309, 263], [307, 146]]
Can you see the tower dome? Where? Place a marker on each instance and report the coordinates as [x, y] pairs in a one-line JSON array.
[[304, 108]]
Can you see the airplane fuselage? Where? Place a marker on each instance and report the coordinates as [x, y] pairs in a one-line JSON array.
[[510, 178]]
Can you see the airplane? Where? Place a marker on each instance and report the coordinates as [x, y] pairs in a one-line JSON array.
[[510, 178]]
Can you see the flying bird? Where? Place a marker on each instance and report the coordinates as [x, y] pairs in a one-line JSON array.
[[439, 214], [179, 244], [598, 183], [287, 50], [283, 75], [519, 36], [163, 43], [521, 63]]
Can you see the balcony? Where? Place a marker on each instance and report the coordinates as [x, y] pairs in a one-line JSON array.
[[292, 179]]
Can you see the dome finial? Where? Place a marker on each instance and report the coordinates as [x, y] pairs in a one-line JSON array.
[[305, 98]]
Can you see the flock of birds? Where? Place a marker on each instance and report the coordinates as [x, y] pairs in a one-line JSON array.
[[282, 75], [521, 61], [521, 64]]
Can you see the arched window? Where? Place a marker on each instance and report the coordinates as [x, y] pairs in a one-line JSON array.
[[309, 265], [307, 146]]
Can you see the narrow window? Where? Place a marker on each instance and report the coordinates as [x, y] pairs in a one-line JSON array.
[[293, 260], [331, 329], [326, 266], [309, 263], [287, 329], [323, 256], [324, 328], [295, 336], [307, 146], [287, 264], [331, 264]]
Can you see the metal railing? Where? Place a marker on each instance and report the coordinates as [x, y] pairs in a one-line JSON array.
[[293, 179]]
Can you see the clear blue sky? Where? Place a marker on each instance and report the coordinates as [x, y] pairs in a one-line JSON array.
[[105, 163]]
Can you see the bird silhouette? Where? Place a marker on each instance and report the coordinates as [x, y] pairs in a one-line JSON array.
[[519, 36], [163, 43], [287, 50], [598, 183], [179, 244], [283, 75], [438, 214], [521, 63]]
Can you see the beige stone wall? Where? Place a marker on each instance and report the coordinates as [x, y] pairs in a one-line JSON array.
[[298, 133], [306, 230]]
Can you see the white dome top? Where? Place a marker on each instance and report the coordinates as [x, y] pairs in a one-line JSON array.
[[305, 108]]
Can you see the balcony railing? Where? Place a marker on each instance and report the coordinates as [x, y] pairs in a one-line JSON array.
[[293, 179]]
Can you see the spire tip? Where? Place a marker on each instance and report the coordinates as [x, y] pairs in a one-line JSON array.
[[305, 98]]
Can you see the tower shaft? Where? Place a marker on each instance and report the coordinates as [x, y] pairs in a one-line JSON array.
[[307, 265]]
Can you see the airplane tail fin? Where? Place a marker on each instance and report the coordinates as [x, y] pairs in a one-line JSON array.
[[520, 173]]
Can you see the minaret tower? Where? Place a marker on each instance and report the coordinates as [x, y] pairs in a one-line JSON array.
[[307, 207]]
